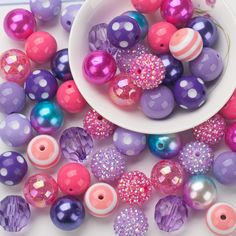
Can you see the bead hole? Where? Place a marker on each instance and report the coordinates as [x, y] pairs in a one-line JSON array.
[[42, 148], [160, 145], [100, 197], [136, 37], [68, 23], [223, 217], [100, 117], [69, 86], [70, 189], [197, 154], [139, 71], [162, 45]]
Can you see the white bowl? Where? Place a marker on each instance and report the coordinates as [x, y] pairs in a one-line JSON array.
[[99, 11]]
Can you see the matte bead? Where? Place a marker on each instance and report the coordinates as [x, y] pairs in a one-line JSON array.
[[230, 136], [147, 6], [229, 110]]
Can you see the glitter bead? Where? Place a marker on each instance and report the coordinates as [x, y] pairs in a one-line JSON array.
[[212, 131], [147, 71], [196, 158], [134, 188], [108, 165], [131, 221]]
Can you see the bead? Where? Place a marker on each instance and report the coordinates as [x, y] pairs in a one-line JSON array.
[[15, 66], [131, 221], [200, 192], [13, 168], [159, 36], [134, 188], [99, 67], [224, 168], [190, 92], [101, 200], [124, 32], [229, 110], [40, 190], [108, 165], [19, 24], [171, 213], [41, 85], [45, 10], [211, 131], [12, 98], [67, 213], [221, 219], [46, 117], [40, 47], [14, 214], [15, 130], [157, 103], [147, 71], [230, 136], [147, 6], [43, 152], [196, 158], [97, 126], [73, 179]]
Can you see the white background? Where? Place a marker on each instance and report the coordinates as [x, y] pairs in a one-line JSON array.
[[40, 222]]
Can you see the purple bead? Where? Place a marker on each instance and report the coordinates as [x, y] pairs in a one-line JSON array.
[[76, 145], [190, 92], [208, 65], [14, 213], [12, 98], [157, 103], [224, 168], [124, 32], [15, 130], [171, 213], [41, 85]]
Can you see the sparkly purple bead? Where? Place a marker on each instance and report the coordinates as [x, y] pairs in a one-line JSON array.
[[14, 213], [157, 103], [170, 213], [131, 221], [76, 145], [12, 98]]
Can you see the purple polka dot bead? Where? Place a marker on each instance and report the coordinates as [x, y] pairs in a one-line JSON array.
[[190, 92], [13, 168], [12, 98], [41, 85], [15, 130]]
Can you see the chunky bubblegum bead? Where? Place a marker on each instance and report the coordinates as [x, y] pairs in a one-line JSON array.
[[147, 6], [134, 188], [229, 110], [230, 137], [40, 190]]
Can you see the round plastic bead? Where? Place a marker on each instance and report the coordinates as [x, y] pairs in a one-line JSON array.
[[73, 179], [101, 200], [13, 168], [40, 190], [148, 6], [43, 152], [229, 110], [230, 137]]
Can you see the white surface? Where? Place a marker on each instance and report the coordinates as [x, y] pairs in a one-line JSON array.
[[41, 224]]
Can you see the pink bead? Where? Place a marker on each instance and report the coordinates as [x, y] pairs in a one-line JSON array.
[[40, 47], [146, 6], [229, 110], [40, 190], [159, 36], [99, 67], [19, 24], [230, 136]]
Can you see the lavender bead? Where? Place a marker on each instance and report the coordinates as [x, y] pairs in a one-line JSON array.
[[170, 213], [12, 98]]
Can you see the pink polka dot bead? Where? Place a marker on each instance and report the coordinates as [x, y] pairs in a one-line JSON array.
[[43, 152], [146, 6], [101, 200]]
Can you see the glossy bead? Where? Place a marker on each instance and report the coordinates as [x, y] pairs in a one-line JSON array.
[[147, 6], [41, 85], [230, 136], [99, 67], [43, 152], [73, 179], [15, 130], [40, 47], [221, 219], [40, 190], [229, 110], [200, 192], [101, 200], [13, 168], [46, 117], [19, 24], [67, 213]]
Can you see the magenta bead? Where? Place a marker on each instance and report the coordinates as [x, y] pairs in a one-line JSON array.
[[230, 137]]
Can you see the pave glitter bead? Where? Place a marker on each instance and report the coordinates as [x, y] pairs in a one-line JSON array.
[[196, 158], [134, 188], [131, 221], [14, 213]]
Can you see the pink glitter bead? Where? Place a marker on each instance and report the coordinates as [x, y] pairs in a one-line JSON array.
[[97, 126], [147, 71], [134, 188], [212, 131]]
